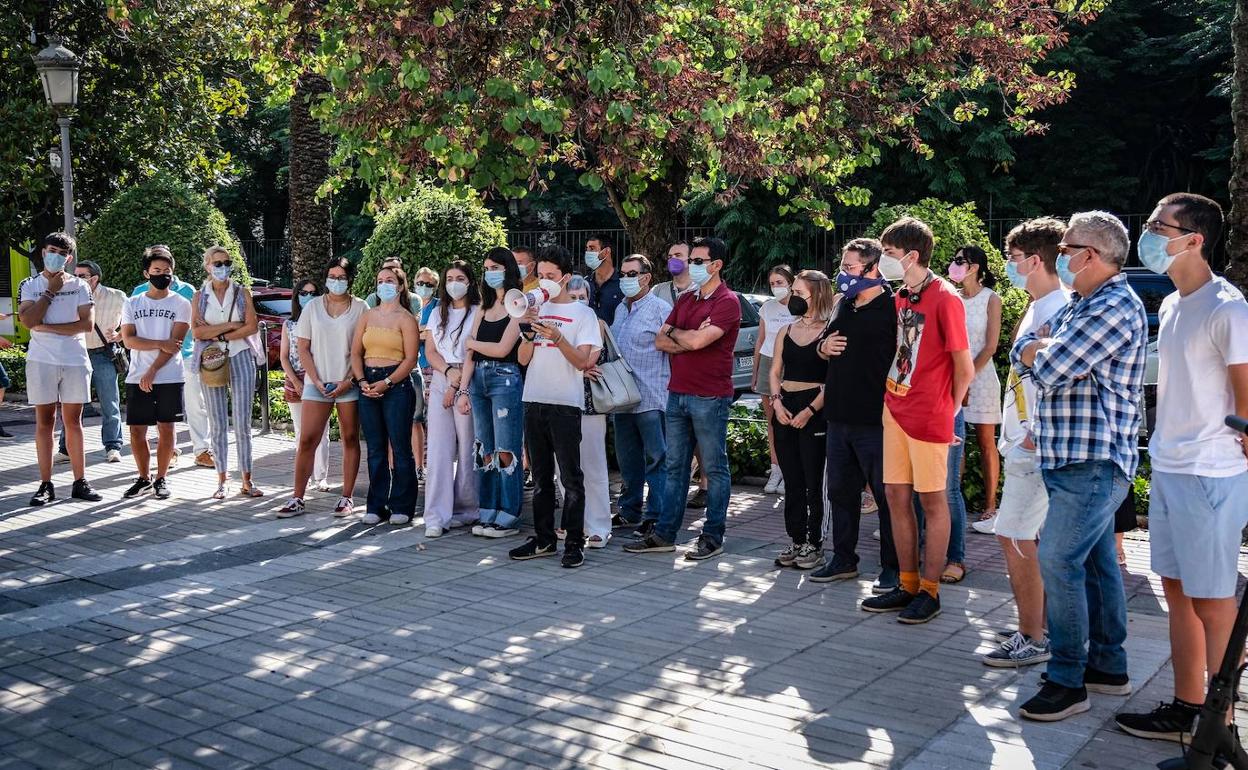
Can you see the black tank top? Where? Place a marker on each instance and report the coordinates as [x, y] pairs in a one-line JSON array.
[[492, 331], [802, 362]]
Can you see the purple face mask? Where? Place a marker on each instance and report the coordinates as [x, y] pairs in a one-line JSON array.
[[675, 266]]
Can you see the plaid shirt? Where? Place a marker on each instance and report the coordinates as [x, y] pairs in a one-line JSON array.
[[1090, 379], [634, 330]]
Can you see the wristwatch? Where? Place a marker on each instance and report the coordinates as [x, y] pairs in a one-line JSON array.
[[389, 384], [671, 330]]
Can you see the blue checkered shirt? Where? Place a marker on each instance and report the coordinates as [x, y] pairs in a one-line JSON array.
[[634, 330], [1090, 379]]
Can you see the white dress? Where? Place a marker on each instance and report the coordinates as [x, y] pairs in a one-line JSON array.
[[984, 404]]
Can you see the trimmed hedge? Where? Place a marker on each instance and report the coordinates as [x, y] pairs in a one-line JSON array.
[[159, 210], [430, 229]]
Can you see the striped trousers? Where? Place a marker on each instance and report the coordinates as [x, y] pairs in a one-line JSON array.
[[243, 389]]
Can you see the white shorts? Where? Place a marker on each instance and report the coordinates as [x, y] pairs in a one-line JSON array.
[[54, 383], [1194, 528], [1023, 506]]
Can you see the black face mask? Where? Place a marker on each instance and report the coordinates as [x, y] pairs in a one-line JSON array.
[[160, 282], [798, 306]]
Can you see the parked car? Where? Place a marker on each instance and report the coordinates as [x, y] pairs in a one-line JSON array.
[[1151, 288], [273, 308], [743, 364]]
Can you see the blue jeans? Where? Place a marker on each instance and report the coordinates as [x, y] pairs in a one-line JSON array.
[[641, 450], [104, 382], [1086, 607], [387, 424], [953, 493], [498, 426], [701, 420]]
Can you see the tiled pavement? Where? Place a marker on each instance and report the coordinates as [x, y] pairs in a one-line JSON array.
[[181, 633]]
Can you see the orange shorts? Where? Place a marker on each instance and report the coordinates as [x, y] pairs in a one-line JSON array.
[[919, 464]]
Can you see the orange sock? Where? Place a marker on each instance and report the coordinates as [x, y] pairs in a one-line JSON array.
[[931, 587], [910, 582]]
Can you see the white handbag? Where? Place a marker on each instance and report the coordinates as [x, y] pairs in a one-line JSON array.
[[616, 389]]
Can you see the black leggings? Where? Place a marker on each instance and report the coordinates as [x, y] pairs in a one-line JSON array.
[[802, 452]]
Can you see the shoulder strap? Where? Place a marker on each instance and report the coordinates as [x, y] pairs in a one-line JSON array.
[[100, 334], [613, 350]]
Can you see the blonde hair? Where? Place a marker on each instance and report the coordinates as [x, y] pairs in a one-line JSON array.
[[428, 273], [821, 292], [208, 252]]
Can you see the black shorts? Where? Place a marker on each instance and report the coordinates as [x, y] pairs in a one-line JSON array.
[[163, 404]]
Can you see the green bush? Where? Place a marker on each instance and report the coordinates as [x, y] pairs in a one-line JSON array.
[[747, 443], [14, 361], [430, 229], [159, 210]]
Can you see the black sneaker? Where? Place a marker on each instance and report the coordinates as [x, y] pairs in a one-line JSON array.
[[619, 522], [895, 600], [141, 486], [834, 570], [573, 556], [1175, 721], [1101, 682], [697, 499], [531, 550], [82, 491], [4, 433], [44, 495], [160, 488], [925, 607], [704, 549], [651, 543], [646, 528], [1054, 703]]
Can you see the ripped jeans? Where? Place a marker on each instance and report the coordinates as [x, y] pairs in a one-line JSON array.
[[498, 424]]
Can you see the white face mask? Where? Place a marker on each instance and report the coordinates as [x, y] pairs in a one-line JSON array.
[[891, 268], [780, 292], [456, 290]]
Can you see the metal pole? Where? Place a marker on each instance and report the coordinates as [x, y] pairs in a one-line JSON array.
[[265, 424], [67, 175]]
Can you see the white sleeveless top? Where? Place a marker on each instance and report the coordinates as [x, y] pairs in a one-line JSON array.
[[219, 312]]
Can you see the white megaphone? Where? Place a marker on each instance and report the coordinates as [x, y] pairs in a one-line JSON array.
[[520, 302]]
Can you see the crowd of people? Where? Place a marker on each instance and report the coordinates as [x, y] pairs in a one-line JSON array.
[[869, 380]]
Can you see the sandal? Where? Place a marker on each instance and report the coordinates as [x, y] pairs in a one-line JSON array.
[[954, 573], [251, 490], [222, 491]]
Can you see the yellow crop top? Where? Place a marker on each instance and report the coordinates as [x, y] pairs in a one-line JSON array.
[[383, 343]]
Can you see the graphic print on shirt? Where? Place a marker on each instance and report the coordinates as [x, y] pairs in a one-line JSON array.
[[910, 325]]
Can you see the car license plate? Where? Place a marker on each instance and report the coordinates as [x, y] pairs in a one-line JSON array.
[[745, 362]]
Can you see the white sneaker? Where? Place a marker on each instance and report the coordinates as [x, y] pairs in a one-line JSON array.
[[112, 456], [399, 519], [370, 518], [494, 530], [433, 531], [61, 457], [985, 526], [477, 529], [597, 541], [455, 524], [773, 481]]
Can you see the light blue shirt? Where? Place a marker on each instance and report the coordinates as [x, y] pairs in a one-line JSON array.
[[635, 328], [177, 287]]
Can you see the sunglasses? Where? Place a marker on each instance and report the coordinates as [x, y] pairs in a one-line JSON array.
[[634, 273], [308, 293], [426, 284], [226, 263], [961, 260], [700, 260], [83, 276]]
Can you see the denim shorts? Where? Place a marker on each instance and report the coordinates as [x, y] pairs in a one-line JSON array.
[[5, 382], [310, 393]]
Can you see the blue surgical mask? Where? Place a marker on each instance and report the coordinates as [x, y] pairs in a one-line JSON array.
[[1153, 252], [593, 259], [305, 299], [54, 262], [853, 285], [221, 273], [387, 291], [494, 278], [424, 292], [524, 271], [699, 274], [1064, 273], [336, 286], [630, 286], [1012, 275]]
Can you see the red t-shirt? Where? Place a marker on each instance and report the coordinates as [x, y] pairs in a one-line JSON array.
[[706, 372], [920, 381]]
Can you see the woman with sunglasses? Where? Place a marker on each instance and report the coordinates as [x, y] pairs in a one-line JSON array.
[[223, 316], [425, 288], [982, 407], [292, 389]]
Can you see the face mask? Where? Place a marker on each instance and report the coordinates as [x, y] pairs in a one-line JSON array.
[[495, 278], [630, 286], [424, 292], [336, 286], [780, 292], [160, 282], [54, 262], [387, 291], [304, 300], [699, 274], [221, 273], [456, 290], [798, 306], [675, 266], [1064, 273], [891, 268], [851, 285], [957, 273], [1153, 252], [1013, 276], [524, 271], [592, 259]]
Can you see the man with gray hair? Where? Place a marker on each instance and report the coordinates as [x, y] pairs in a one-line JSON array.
[[1087, 363]]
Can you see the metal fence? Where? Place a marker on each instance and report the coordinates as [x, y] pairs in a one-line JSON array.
[[268, 260]]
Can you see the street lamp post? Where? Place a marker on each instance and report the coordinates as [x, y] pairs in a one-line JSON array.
[[58, 70]]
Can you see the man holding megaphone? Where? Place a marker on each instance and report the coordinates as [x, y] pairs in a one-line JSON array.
[[561, 340]]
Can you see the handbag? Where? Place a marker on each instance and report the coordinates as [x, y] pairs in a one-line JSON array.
[[121, 361], [214, 359], [616, 389]]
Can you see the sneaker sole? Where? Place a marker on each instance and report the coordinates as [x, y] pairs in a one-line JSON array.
[[833, 578], [879, 610], [1011, 663], [691, 556], [599, 544], [1057, 716], [881, 590], [1179, 737], [165, 496], [1099, 688], [919, 621], [538, 555], [289, 514], [783, 564], [148, 491], [572, 565], [652, 549], [495, 534], [810, 566]]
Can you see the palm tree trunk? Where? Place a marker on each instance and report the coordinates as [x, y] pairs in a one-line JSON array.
[[1237, 220], [311, 220]]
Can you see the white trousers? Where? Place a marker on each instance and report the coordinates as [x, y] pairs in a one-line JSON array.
[[450, 478], [597, 480], [196, 411], [320, 464]]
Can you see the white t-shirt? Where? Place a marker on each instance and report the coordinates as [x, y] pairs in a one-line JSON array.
[[330, 338], [153, 319], [49, 348], [551, 379], [1020, 394], [776, 316], [451, 339], [1199, 337]]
